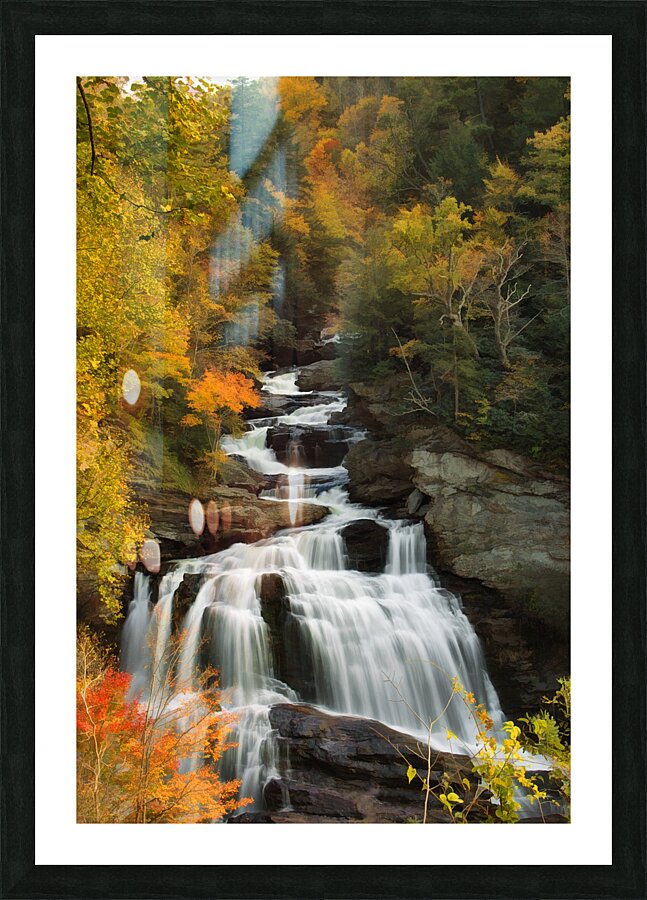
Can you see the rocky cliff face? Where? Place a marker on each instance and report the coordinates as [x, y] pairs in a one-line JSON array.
[[379, 472], [378, 407], [498, 518], [494, 515]]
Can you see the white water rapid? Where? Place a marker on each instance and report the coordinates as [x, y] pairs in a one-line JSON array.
[[354, 630]]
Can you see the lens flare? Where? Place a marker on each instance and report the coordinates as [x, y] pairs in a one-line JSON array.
[[150, 555], [213, 516], [196, 516], [131, 387], [225, 517]]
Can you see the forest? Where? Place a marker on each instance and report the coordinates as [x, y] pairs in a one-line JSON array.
[[399, 243]]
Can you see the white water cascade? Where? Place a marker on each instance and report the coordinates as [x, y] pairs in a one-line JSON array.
[[354, 630], [135, 641]]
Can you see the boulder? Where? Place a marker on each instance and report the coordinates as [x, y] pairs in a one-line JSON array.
[[293, 663], [366, 542], [379, 473], [243, 518], [185, 594], [251, 818], [345, 768], [309, 350], [273, 405], [316, 447], [498, 518], [320, 376], [310, 799], [251, 519], [415, 501]]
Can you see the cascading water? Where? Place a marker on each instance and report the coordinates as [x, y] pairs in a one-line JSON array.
[[356, 630], [284, 385], [135, 640], [407, 550], [295, 494]]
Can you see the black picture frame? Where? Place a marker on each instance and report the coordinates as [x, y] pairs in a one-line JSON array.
[[625, 20]]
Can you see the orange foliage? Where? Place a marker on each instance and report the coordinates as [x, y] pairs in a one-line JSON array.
[[216, 392], [150, 761], [319, 163]]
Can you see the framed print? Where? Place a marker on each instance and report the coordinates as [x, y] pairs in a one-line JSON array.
[[329, 361]]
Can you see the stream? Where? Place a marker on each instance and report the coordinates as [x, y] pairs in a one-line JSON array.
[[355, 628]]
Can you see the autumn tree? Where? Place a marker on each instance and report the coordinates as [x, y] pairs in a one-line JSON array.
[[439, 269], [158, 210], [151, 758], [216, 398]]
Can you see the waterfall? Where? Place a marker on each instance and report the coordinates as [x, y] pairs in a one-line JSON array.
[[361, 633], [361, 630], [295, 493], [162, 618], [282, 385], [407, 554], [322, 549], [135, 643]]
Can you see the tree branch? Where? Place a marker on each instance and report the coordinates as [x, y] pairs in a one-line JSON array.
[[89, 117]]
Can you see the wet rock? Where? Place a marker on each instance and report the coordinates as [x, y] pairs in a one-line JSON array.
[[293, 663], [243, 518], [251, 818], [169, 517], [185, 594], [378, 471], [280, 405], [523, 659], [271, 405], [344, 768], [366, 542], [310, 799], [313, 447]]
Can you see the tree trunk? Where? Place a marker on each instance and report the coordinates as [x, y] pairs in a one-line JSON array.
[[502, 350], [456, 388]]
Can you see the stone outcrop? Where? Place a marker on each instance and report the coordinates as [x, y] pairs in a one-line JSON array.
[[320, 376], [293, 663], [523, 659], [283, 404], [310, 350], [377, 406], [496, 517], [366, 542], [310, 446], [243, 518], [348, 769], [379, 473], [497, 527]]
